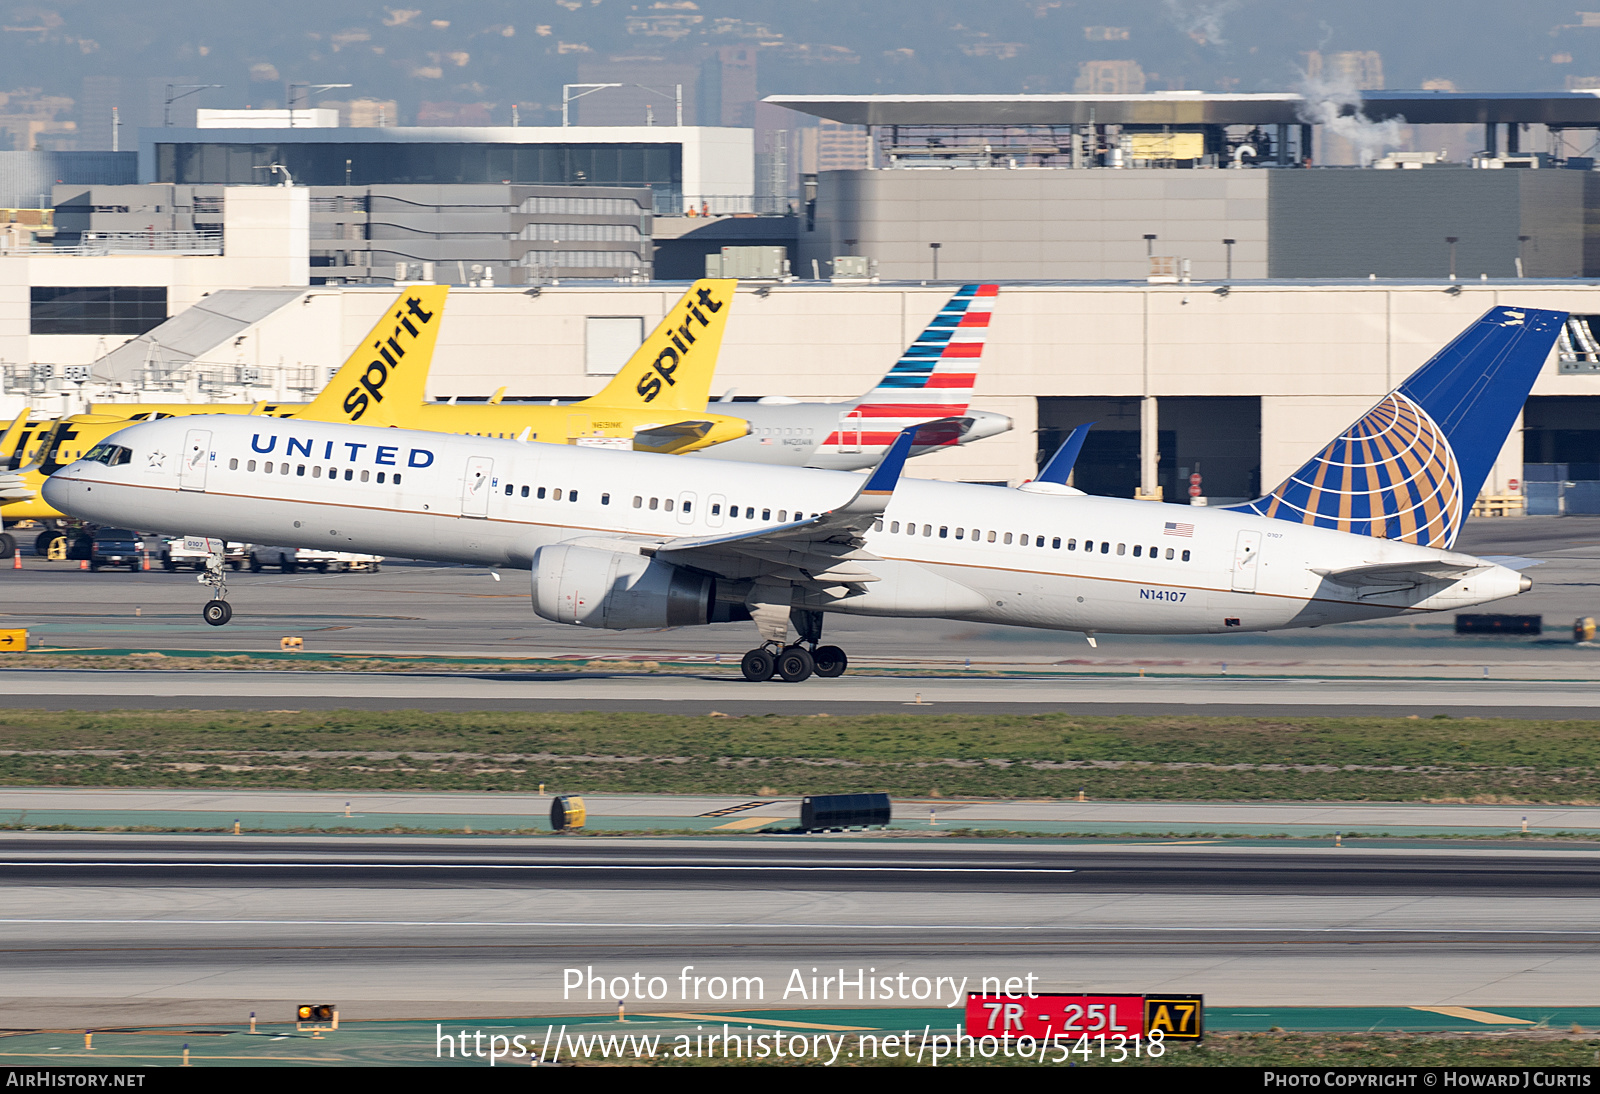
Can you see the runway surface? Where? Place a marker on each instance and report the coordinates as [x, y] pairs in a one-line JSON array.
[[851, 694], [142, 929]]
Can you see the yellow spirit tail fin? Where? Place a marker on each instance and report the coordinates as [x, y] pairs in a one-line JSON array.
[[672, 369], [384, 380]]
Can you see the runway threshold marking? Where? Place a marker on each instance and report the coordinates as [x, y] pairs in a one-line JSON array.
[[758, 1021], [731, 809], [1488, 1018]]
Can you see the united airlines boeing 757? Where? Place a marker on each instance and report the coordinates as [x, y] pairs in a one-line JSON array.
[[627, 540]]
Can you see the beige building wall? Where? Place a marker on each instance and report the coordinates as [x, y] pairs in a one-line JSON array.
[[1318, 355]]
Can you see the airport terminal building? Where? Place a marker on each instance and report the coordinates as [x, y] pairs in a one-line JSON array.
[[1173, 268]]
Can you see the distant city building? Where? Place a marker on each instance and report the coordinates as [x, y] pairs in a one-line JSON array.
[[31, 121], [133, 103], [365, 113], [1361, 70], [1109, 78], [834, 146]]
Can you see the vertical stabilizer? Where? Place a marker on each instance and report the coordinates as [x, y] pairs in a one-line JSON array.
[[672, 369], [385, 378], [935, 376], [1412, 466]]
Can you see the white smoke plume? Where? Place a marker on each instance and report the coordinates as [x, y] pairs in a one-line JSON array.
[[1336, 106], [1201, 21]]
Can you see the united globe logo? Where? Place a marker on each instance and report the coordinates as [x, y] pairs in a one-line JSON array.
[[1392, 475]]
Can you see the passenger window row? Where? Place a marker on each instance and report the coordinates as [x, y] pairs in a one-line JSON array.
[[665, 504], [268, 467], [1024, 539], [540, 493]]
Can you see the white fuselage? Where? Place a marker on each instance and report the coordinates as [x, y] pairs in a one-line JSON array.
[[1152, 569]]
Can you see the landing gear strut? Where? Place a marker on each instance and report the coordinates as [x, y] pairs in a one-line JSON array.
[[799, 661], [217, 610]]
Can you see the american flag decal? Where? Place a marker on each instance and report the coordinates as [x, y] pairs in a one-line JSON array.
[[1172, 529]]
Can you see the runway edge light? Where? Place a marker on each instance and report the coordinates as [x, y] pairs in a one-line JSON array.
[[316, 1017]]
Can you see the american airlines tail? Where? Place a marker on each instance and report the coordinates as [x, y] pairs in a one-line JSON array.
[[1411, 467], [933, 379]]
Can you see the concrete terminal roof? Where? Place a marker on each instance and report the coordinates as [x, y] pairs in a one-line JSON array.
[[1575, 109]]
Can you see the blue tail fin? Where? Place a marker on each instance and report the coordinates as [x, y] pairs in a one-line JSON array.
[[1412, 467], [1060, 466]]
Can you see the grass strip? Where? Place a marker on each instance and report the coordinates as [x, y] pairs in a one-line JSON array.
[[1050, 756]]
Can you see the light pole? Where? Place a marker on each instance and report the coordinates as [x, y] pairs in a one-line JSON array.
[[1228, 243], [1149, 244], [1522, 255], [589, 89], [307, 89], [1452, 240], [185, 92], [934, 247]]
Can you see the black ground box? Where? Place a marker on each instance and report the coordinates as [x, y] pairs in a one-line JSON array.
[[824, 811], [1499, 624]]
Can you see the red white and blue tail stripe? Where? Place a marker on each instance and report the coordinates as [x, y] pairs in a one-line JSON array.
[[933, 379]]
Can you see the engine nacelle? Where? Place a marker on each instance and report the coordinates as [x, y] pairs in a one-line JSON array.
[[617, 590]]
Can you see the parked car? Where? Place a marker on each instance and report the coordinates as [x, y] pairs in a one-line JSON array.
[[115, 547]]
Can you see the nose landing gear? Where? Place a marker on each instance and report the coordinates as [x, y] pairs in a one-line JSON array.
[[217, 610]]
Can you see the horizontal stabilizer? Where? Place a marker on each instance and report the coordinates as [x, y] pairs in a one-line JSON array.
[[1515, 562], [1401, 573], [667, 439], [13, 487]]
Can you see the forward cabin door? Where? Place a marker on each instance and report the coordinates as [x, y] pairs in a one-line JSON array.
[[1246, 556], [196, 458], [475, 490]]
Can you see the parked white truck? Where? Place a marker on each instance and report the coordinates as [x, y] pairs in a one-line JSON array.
[[291, 559]]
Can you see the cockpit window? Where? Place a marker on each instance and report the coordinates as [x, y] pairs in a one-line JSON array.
[[112, 455]]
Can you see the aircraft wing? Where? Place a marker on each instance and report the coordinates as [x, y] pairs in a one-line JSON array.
[[1401, 574], [823, 551]]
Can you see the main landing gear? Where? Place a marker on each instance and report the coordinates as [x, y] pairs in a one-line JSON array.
[[799, 661], [217, 610]]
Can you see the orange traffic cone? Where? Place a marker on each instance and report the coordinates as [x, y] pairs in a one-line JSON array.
[[16, 560], [83, 564], [147, 562]]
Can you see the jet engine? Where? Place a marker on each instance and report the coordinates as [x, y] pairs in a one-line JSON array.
[[617, 590]]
